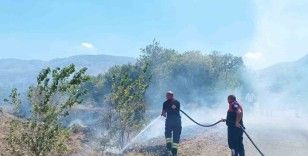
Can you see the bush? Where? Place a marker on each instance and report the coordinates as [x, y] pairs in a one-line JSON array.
[[55, 93]]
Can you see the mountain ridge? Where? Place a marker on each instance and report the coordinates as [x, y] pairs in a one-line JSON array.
[[20, 73], [287, 80], [301, 61]]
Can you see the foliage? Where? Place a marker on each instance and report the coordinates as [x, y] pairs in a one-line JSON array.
[[55, 93], [126, 101], [96, 91], [15, 101], [192, 75]]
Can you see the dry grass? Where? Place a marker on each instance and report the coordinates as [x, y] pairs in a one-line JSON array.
[[75, 141], [4, 129]]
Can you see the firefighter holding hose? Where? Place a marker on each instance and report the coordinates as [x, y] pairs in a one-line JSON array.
[[173, 127], [235, 124]]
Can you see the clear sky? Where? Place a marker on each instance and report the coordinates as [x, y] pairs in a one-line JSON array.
[[258, 30]]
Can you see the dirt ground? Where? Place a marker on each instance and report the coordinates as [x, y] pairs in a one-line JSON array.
[[3, 132], [198, 146], [196, 142], [271, 140]]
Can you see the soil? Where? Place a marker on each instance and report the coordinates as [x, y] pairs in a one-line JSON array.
[[195, 141]]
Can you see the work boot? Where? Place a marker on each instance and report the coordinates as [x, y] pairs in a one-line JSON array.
[[167, 152], [174, 152], [168, 145]]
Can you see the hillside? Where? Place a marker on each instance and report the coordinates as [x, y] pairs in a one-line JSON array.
[[21, 73], [288, 78]]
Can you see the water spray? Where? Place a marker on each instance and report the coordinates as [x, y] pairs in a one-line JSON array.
[[199, 124], [139, 134]]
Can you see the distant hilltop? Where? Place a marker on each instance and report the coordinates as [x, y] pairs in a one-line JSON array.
[[18, 73], [288, 80]]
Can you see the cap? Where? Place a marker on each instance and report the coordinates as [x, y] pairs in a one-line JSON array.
[[170, 92]]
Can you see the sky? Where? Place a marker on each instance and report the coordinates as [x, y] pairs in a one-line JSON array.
[[263, 32]]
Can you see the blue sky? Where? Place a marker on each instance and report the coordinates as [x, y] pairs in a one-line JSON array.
[[45, 29]]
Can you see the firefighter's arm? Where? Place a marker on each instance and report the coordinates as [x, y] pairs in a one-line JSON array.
[[239, 116], [163, 113]]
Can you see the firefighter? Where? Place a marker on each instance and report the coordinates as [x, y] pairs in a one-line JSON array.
[[235, 124], [173, 127]]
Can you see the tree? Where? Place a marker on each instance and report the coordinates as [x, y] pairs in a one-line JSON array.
[[14, 101], [195, 77], [55, 93], [126, 101]]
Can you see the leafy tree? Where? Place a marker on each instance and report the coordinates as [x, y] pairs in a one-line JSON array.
[[195, 77], [15, 101], [126, 101], [96, 90], [54, 94]]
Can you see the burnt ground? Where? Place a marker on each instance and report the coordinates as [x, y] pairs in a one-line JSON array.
[[197, 141], [213, 142], [200, 145]]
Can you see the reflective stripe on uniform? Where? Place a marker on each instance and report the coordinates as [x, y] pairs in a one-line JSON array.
[[168, 140], [175, 145]]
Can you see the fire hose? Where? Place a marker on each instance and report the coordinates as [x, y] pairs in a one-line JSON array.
[[224, 120]]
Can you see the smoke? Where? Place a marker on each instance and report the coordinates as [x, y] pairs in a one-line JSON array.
[[280, 36], [281, 32], [273, 107], [269, 116]]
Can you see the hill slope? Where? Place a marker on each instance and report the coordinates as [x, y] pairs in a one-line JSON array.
[[288, 79], [21, 73]]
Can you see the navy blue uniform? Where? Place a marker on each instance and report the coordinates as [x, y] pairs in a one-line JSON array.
[[173, 127], [235, 134]]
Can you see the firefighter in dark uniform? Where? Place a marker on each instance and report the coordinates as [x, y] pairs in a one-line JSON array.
[[173, 127], [235, 122]]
